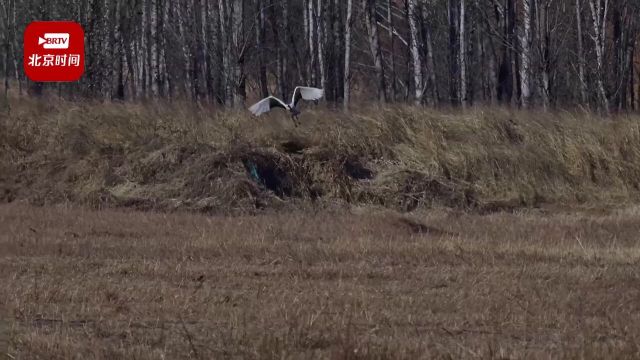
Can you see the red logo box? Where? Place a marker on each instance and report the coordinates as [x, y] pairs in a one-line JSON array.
[[54, 51]]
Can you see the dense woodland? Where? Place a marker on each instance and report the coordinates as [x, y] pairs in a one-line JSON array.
[[529, 53]]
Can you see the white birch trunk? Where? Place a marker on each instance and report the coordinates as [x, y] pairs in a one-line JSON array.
[[163, 81], [525, 53], [544, 35], [462, 57], [321, 41], [581, 59], [226, 53], [143, 69], [599, 18], [285, 57], [237, 26], [204, 50], [415, 53], [312, 51], [392, 77]]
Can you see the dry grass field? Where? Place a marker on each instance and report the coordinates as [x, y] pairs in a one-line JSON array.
[[361, 284], [167, 231], [178, 157]]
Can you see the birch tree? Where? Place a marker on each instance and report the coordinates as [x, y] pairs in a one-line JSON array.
[[599, 10], [525, 52], [321, 32], [545, 30], [514, 52], [462, 56], [392, 70], [415, 54]]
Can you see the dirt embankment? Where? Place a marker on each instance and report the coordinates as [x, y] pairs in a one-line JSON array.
[[165, 158]]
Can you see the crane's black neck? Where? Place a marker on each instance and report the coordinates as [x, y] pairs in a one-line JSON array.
[[294, 110]]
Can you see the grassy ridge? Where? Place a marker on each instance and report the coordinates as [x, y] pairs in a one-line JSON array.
[[185, 157]]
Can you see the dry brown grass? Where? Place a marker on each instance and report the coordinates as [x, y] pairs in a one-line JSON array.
[[184, 157], [522, 241], [345, 285]]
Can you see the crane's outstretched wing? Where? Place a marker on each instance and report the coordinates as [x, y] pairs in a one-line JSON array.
[[265, 105], [306, 93]]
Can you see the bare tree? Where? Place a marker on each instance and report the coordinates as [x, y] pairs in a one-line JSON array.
[[415, 54], [545, 31], [276, 12], [462, 56], [369, 7], [312, 42], [432, 83], [516, 52], [4, 28], [346, 98], [599, 10], [392, 90], [261, 41], [454, 63], [525, 52], [582, 81], [321, 32], [152, 48]]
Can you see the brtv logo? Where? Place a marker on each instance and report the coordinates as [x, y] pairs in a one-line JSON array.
[[54, 41], [53, 51]]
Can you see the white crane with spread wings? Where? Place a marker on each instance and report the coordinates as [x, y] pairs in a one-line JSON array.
[[300, 92]]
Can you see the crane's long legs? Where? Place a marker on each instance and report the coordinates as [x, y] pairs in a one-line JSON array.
[[295, 120]]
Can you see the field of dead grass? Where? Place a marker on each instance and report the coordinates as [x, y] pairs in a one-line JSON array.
[[163, 232], [178, 157], [87, 284]]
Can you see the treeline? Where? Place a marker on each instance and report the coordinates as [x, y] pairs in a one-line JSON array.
[[529, 53]]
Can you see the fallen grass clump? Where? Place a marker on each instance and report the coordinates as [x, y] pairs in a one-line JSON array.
[[183, 157]]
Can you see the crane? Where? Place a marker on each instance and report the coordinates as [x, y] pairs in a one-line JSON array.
[[300, 92]]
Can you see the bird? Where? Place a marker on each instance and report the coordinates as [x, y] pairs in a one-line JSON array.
[[300, 92]]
